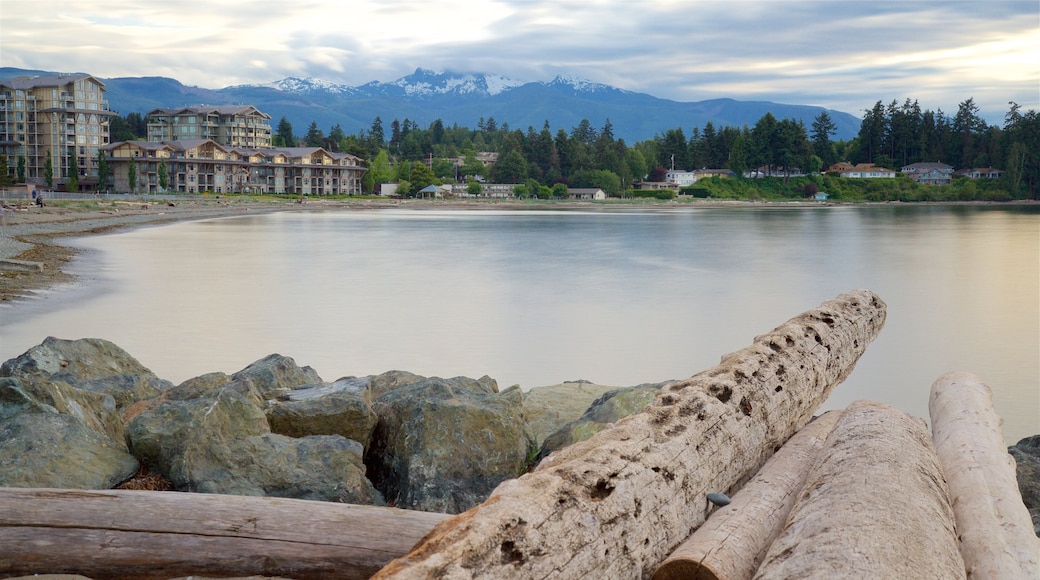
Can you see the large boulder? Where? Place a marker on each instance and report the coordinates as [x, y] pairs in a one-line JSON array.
[[604, 411], [209, 434], [1027, 458], [547, 409], [50, 449], [322, 468], [340, 408], [443, 445], [275, 374], [390, 380], [90, 379], [180, 437], [86, 358]]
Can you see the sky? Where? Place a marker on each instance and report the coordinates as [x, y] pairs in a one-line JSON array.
[[839, 54]]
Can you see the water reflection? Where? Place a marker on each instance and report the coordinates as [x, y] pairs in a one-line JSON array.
[[535, 298]]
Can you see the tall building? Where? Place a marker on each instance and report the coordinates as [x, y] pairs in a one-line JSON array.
[[64, 115], [228, 125]]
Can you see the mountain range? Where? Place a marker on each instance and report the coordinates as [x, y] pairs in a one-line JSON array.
[[463, 98]]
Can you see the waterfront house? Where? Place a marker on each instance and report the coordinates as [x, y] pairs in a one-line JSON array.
[[927, 173], [586, 193], [981, 173], [868, 171], [202, 165]]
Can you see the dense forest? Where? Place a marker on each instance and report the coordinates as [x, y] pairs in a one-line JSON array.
[[890, 136]]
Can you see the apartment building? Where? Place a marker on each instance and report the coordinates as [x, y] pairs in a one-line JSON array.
[[203, 165], [228, 125], [63, 115]]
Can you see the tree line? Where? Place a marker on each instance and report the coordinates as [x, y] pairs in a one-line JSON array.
[[890, 136]]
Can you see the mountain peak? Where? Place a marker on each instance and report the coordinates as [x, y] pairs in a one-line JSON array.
[[579, 84], [426, 82]]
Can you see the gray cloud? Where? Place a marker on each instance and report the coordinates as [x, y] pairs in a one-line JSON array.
[[844, 55]]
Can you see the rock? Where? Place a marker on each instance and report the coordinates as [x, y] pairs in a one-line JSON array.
[[607, 409], [86, 358], [125, 390], [95, 410], [49, 449], [390, 380], [180, 438], [322, 468], [340, 408], [442, 445], [547, 409], [1027, 459], [275, 374], [14, 400]]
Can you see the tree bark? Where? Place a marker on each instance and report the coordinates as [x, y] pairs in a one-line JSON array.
[[145, 534], [735, 539], [995, 530], [615, 505], [874, 505]]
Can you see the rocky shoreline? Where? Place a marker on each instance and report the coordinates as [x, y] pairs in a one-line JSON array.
[[277, 429]]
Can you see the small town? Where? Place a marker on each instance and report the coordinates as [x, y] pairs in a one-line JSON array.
[[56, 135]]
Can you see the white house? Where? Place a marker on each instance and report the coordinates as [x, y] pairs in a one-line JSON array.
[[680, 178], [868, 171]]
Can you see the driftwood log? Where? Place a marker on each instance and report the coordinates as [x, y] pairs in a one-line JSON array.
[[616, 505], [735, 539], [875, 505], [995, 530], [146, 534]]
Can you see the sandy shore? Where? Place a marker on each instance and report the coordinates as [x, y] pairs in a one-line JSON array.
[[33, 234]]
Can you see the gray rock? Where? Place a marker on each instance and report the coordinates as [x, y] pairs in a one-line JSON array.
[[86, 358], [340, 408], [1027, 459], [607, 409], [390, 380], [14, 400], [322, 468], [180, 437], [275, 374], [48, 449], [444, 444], [125, 390], [547, 409]]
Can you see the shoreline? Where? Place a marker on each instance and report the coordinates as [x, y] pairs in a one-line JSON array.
[[33, 258]]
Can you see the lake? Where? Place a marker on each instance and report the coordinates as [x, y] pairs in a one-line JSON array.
[[617, 296]]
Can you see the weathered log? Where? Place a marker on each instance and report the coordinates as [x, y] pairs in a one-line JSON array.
[[995, 530], [615, 505], [735, 539], [874, 505], [144, 534]]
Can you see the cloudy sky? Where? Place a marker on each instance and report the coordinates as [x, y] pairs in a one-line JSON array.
[[845, 55]]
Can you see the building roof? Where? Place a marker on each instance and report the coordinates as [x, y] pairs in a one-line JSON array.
[[212, 109], [25, 83]]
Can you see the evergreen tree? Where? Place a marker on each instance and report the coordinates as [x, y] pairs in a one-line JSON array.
[[102, 171], [72, 181], [284, 135], [20, 169], [314, 137], [48, 170], [5, 172], [376, 138], [131, 175], [164, 175], [822, 129]]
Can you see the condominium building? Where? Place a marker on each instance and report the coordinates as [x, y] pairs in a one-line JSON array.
[[203, 165], [228, 125], [65, 116]]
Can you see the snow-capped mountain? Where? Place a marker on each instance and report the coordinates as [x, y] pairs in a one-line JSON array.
[[428, 83], [426, 96]]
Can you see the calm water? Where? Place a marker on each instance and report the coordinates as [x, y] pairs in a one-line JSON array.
[[618, 297]]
